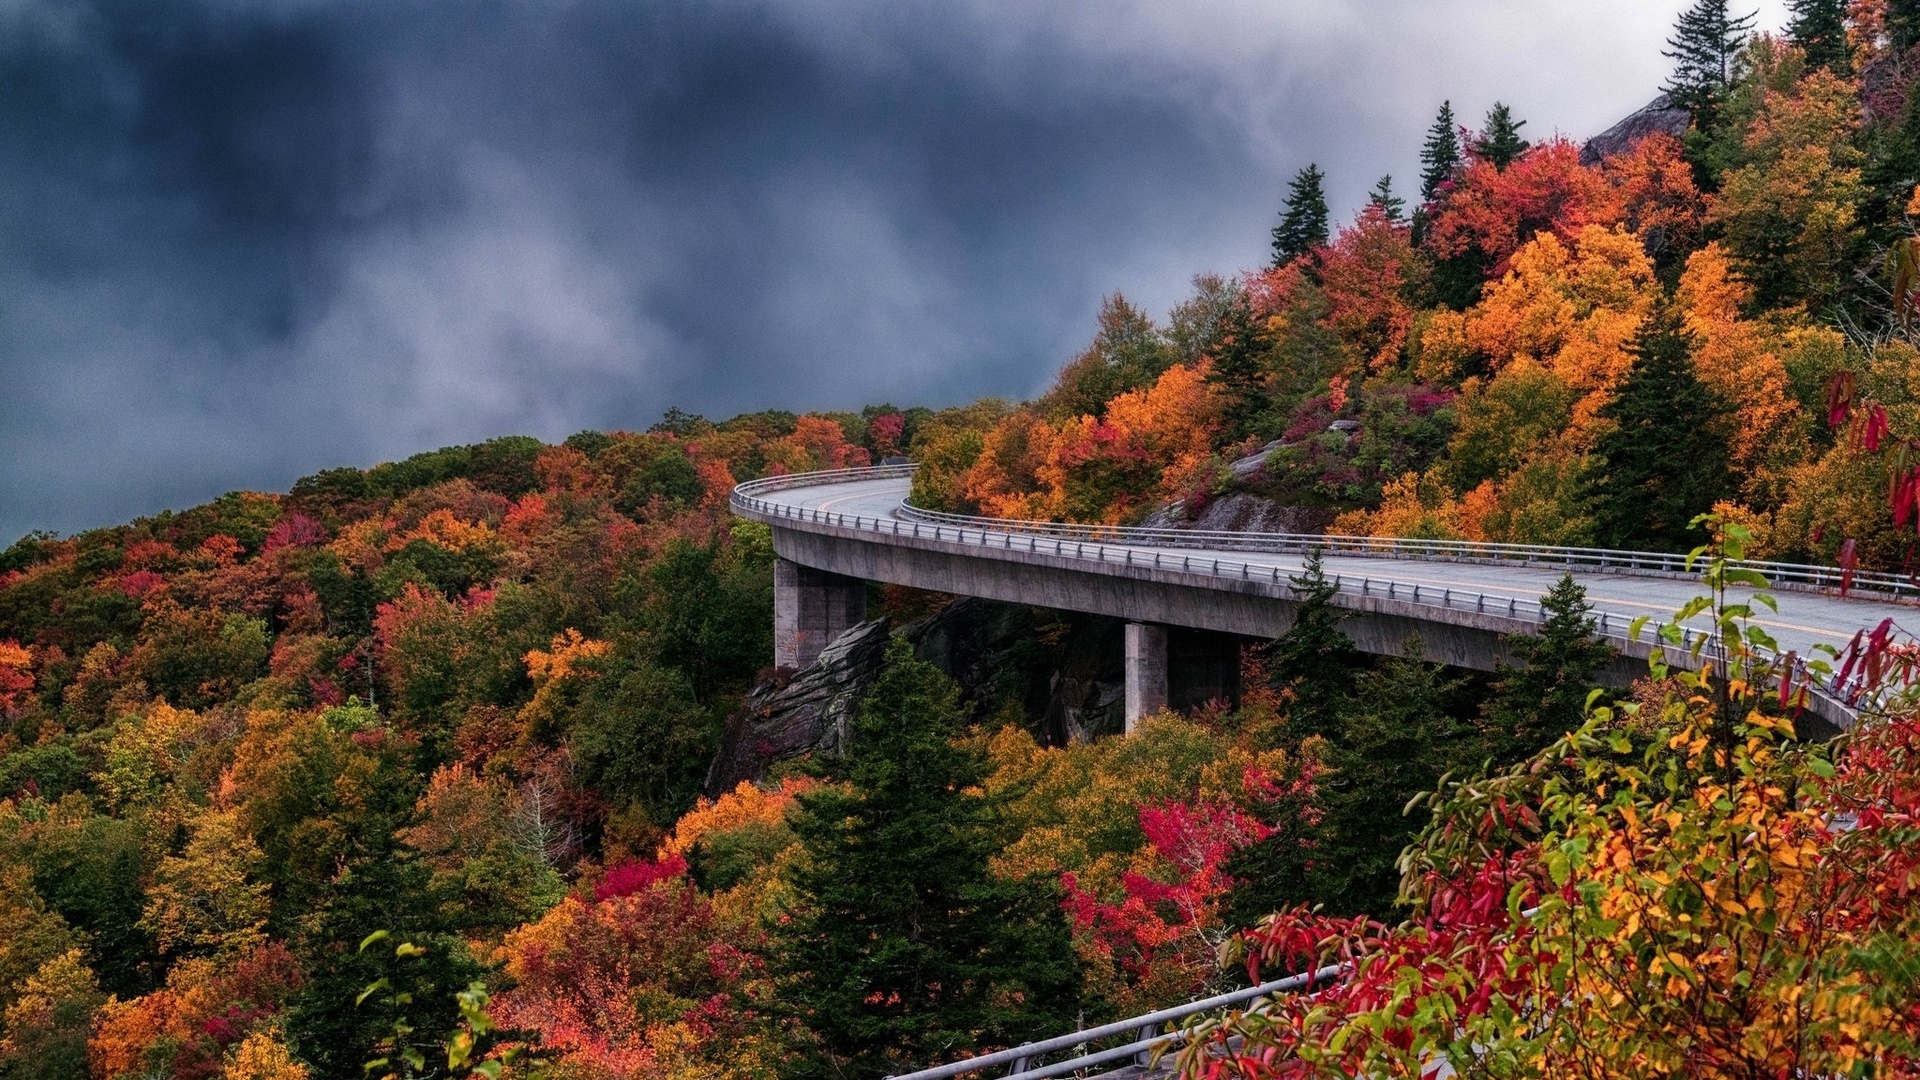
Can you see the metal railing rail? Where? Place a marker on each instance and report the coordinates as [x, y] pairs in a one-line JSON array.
[[1611, 626], [1150, 1038], [1611, 560]]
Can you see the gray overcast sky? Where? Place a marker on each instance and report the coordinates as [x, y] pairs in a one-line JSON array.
[[245, 240]]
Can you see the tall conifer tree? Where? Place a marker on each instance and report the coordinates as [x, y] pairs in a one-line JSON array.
[[1666, 458], [1314, 659], [1303, 224], [1500, 142], [1440, 156], [1546, 695], [1819, 28], [1239, 369], [1394, 743], [1705, 40], [1390, 204], [1903, 24], [904, 949]]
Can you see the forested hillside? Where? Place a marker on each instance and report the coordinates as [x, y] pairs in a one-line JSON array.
[[408, 765]]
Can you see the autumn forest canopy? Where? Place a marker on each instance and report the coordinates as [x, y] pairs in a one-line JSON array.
[[467, 763]]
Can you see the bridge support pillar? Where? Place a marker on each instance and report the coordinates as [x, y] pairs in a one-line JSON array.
[[811, 608], [1146, 671]]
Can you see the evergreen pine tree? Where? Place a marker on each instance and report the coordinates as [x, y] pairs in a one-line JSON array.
[[1545, 696], [1440, 156], [1903, 25], [1383, 197], [1500, 142], [1394, 737], [1313, 659], [1705, 40], [1819, 28], [1396, 742], [903, 948], [1892, 169], [1239, 370], [1303, 224], [1665, 460]]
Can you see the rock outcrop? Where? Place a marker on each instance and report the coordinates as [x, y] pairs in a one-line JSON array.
[[1062, 668], [1242, 508], [1240, 511], [796, 713], [1659, 116]]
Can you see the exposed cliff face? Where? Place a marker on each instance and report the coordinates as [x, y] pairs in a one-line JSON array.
[[1659, 116], [1064, 668], [795, 713], [1063, 673], [1010, 660]]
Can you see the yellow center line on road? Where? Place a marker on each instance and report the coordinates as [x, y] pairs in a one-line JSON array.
[[831, 503]]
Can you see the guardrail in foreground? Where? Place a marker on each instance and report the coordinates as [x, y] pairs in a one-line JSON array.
[[1149, 1038]]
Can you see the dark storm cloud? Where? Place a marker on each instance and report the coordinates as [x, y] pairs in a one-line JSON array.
[[247, 240]]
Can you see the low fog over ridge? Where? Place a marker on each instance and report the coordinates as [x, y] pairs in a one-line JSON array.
[[253, 240]]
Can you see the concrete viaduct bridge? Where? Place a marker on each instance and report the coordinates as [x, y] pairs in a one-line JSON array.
[[835, 531]]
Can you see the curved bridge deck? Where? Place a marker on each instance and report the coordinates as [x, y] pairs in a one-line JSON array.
[[835, 530]]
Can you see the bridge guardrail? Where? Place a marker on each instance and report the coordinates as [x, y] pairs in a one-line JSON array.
[[1120, 544], [1611, 560], [987, 533], [1149, 1036]]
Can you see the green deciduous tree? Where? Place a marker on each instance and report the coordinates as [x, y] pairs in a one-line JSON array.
[[640, 736], [1127, 353], [902, 948], [706, 608], [1196, 325]]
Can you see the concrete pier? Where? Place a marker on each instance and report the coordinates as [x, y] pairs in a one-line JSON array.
[[810, 609], [1146, 671]]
